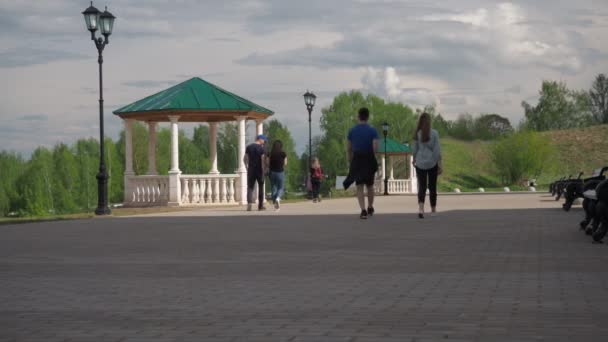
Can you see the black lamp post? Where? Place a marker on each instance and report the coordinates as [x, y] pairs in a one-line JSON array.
[[309, 100], [385, 127], [104, 22]]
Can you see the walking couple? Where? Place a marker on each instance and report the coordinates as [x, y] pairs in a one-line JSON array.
[[258, 161], [362, 149]]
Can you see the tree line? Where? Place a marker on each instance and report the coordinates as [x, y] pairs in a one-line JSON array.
[[62, 180]]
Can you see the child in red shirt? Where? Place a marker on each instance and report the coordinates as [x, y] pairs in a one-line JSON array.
[[316, 175]]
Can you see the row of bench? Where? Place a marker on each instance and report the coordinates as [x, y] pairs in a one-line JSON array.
[[594, 192]]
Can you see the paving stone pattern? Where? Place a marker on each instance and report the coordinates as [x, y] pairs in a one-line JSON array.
[[489, 275]]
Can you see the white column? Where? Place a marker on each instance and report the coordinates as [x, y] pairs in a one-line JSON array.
[[213, 147], [383, 167], [392, 164], [152, 148], [259, 129], [129, 147], [413, 179], [242, 171], [175, 186], [128, 192], [174, 143]]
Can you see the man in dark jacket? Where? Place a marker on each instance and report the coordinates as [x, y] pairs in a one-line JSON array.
[[254, 160]]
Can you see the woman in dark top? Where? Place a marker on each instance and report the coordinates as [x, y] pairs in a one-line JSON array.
[[277, 162]]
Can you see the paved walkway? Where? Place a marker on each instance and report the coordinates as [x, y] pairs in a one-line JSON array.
[[495, 274], [387, 205]]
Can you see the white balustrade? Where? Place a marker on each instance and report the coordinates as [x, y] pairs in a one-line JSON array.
[[208, 189], [395, 186], [147, 190]]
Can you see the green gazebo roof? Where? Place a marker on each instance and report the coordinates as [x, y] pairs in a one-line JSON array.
[[393, 147], [194, 100]]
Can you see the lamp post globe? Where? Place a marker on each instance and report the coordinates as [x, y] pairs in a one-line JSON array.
[[91, 18], [104, 22], [309, 100], [385, 127]]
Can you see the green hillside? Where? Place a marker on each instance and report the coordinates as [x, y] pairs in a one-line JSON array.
[[582, 149], [467, 165]]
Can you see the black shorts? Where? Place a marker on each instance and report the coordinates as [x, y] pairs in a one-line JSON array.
[[363, 168]]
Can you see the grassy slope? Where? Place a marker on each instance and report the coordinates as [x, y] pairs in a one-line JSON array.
[[467, 164], [581, 149]]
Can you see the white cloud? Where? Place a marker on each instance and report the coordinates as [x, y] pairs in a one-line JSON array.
[[387, 84], [478, 18], [465, 55]]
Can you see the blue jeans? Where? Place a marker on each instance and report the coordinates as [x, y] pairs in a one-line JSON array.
[[277, 184]]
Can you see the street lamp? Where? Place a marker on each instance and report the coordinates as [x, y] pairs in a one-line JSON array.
[[104, 22], [309, 100], [385, 127]]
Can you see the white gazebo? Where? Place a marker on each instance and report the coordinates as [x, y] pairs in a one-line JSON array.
[[194, 100], [397, 155]]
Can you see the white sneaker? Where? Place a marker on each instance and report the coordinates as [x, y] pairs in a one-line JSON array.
[[277, 204]]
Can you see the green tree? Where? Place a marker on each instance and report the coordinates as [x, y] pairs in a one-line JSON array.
[[86, 153], [36, 184], [525, 154], [200, 138], [599, 99], [558, 108], [115, 166], [491, 126], [463, 127], [64, 174], [12, 166], [227, 147], [191, 157]]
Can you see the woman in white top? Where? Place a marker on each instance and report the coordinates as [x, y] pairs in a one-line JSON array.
[[427, 160]]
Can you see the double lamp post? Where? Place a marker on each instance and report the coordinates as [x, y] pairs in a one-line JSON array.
[[309, 100], [385, 127], [104, 22]]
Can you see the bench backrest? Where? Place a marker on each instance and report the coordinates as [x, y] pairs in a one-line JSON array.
[[599, 172]]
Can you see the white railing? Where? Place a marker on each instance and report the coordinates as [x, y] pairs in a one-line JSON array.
[[208, 189], [395, 186], [400, 186], [147, 190]]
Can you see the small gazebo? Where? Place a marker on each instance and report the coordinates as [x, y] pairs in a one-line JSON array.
[[398, 154], [194, 100]]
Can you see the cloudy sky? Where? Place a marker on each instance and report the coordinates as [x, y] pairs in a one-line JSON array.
[[461, 55]]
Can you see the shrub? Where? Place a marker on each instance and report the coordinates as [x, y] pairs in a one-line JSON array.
[[525, 154]]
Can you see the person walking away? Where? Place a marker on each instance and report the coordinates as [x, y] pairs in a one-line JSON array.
[[254, 161], [277, 162], [362, 147], [426, 152], [316, 175]]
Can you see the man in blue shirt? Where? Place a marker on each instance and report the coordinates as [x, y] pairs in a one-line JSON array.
[[362, 147]]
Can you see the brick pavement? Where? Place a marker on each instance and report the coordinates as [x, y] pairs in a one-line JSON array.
[[486, 275]]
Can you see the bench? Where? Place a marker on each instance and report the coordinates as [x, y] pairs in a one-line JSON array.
[[590, 194], [595, 203]]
